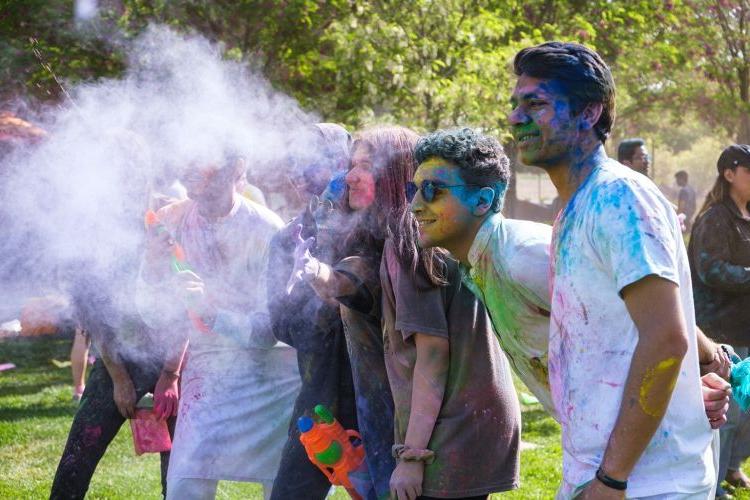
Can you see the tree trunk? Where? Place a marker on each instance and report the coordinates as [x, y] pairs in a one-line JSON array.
[[743, 130]]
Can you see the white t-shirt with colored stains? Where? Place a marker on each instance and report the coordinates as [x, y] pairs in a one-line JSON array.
[[617, 229], [509, 270]]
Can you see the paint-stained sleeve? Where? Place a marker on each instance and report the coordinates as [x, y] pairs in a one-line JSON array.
[[363, 273], [529, 268], [420, 307], [252, 328], [712, 254], [635, 232]]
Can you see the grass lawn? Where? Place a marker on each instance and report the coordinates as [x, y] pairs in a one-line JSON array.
[[36, 411]]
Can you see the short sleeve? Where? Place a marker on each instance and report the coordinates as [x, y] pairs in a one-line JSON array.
[[363, 272], [635, 232], [530, 268], [420, 305]]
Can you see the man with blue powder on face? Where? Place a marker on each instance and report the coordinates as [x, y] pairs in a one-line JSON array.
[[456, 195], [623, 355]]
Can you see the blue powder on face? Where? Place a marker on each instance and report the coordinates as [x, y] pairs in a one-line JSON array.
[[336, 188]]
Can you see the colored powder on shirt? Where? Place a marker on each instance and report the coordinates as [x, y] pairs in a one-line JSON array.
[[663, 373]]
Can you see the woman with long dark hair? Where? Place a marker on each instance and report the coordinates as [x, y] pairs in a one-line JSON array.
[[382, 163], [719, 253]]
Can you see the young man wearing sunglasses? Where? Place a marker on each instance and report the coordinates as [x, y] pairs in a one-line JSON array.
[[456, 197]]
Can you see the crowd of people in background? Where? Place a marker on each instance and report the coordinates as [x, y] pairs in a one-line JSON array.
[[402, 299]]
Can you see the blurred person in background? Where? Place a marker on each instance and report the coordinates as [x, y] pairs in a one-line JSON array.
[[719, 252], [633, 153], [686, 199]]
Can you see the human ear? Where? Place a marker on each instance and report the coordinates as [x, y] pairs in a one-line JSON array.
[[484, 199], [590, 115], [729, 175]]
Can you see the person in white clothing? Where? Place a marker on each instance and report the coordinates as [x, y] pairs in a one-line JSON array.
[[456, 195], [238, 384], [623, 355]]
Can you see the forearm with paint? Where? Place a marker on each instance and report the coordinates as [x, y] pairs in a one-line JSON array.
[[175, 356], [654, 305], [429, 379]]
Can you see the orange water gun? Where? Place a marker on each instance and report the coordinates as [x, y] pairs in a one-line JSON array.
[[329, 447], [178, 263]]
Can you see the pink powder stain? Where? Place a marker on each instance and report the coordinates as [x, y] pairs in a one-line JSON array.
[[611, 384], [91, 435]]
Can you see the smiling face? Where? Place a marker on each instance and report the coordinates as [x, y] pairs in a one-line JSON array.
[[360, 179], [543, 123], [448, 220]]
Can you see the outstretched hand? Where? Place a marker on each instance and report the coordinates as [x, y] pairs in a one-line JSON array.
[[305, 265]]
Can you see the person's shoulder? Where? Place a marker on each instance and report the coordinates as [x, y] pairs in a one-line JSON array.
[[260, 213], [519, 230], [616, 186], [172, 213], [715, 214]]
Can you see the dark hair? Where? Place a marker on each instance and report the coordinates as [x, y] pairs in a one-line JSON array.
[[719, 191], [392, 151], [627, 147], [731, 158], [584, 77], [480, 158], [681, 174]]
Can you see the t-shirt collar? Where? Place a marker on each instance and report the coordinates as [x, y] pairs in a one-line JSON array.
[[482, 238]]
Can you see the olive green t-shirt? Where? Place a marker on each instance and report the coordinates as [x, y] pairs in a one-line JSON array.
[[477, 432]]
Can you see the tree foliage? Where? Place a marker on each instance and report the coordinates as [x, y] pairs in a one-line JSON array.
[[422, 63]]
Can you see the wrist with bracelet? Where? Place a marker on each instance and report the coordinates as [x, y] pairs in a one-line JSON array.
[[405, 453], [171, 373], [611, 482]]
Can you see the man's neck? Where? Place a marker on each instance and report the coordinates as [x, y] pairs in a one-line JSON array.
[[219, 207], [568, 175], [460, 250]]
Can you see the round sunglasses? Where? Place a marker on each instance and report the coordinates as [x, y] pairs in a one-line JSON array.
[[429, 189]]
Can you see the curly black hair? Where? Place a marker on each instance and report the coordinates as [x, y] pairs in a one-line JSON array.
[[581, 72], [479, 157]]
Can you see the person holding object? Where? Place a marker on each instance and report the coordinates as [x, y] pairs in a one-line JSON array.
[[134, 359], [719, 252], [306, 322], [381, 165], [238, 385]]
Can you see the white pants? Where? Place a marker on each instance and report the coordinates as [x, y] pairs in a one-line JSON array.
[[201, 489]]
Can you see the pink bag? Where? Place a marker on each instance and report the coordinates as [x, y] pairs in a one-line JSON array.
[[150, 435]]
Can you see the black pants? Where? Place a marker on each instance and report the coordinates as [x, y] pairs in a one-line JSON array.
[[95, 425], [326, 379]]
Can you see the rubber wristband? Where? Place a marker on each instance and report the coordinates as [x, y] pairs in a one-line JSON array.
[[610, 482]]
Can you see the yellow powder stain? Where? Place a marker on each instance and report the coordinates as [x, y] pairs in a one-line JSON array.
[[661, 374]]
